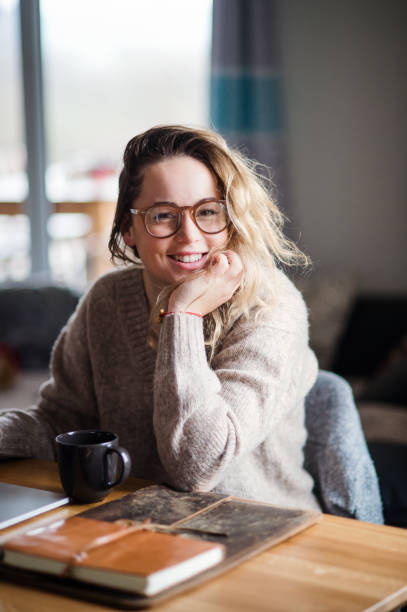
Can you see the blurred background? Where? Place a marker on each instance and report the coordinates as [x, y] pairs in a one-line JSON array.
[[105, 71], [317, 90], [314, 90]]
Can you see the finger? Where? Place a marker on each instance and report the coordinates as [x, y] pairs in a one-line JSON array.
[[233, 259], [235, 264], [220, 264]]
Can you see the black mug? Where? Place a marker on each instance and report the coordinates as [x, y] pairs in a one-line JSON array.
[[91, 462]]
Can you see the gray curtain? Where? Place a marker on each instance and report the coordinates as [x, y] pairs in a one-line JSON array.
[[246, 100]]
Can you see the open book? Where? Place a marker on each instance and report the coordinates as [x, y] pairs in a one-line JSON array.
[[121, 553], [131, 558]]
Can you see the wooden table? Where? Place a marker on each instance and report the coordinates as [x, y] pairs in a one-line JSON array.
[[336, 565]]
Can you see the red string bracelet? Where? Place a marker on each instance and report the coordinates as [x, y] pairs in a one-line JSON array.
[[163, 313]]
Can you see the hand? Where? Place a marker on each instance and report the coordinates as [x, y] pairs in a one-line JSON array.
[[215, 286]]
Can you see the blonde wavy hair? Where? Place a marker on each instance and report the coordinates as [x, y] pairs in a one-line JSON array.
[[255, 230]]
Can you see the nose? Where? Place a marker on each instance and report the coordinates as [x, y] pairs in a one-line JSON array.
[[188, 230]]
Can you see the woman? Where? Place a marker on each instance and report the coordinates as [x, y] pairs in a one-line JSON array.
[[211, 397]]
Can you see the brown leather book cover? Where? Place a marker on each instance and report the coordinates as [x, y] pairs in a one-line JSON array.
[[130, 557], [244, 528], [61, 540]]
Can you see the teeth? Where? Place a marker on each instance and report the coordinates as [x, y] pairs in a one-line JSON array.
[[188, 258]]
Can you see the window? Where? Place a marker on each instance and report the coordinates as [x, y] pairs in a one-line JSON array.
[[13, 184], [111, 69], [124, 66], [14, 228]]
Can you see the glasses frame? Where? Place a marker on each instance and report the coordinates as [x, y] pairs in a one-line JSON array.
[[180, 213]]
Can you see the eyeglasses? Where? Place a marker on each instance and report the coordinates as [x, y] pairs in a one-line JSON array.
[[164, 219]]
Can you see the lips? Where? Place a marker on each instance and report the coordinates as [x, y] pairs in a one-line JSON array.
[[188, 261], [188, 258]]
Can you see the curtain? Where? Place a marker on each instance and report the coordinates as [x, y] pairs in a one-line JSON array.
[[246, 99]]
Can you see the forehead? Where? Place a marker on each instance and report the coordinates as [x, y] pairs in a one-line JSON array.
[[182, 180]]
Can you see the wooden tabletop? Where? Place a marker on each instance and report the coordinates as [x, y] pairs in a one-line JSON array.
[[337, 565]]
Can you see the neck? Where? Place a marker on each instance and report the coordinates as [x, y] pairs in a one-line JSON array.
[[152, 289]]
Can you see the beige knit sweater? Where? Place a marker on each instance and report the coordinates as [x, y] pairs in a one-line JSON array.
[[236, 427]]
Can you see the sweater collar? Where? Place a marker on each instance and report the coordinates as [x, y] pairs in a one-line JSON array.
[[133, 304]]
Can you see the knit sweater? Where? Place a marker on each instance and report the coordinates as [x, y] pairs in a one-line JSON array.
[[235, 426]]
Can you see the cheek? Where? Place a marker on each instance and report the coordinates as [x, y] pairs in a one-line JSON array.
[[149, 247], [218, 240]]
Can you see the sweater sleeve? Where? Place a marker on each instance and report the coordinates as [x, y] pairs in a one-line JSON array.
[[66, 402], [205, 417]]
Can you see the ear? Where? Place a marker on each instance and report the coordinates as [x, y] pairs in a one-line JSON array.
[[128, 236], [127, 231]]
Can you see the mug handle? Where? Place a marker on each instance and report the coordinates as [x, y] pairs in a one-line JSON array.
[[125, 463]]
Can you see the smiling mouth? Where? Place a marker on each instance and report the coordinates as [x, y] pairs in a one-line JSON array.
[[188, 258]]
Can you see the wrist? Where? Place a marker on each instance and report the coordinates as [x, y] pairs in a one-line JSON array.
[[175, 305], [166, 313]]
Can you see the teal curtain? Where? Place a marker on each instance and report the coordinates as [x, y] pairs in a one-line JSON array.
[[246, 97]]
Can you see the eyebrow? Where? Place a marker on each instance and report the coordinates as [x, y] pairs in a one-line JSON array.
[[210, 199]]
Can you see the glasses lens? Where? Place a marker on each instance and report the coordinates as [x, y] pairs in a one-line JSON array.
[[161, 220], [211, 217]]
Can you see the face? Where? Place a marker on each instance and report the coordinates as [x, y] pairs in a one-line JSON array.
[[184, 181]]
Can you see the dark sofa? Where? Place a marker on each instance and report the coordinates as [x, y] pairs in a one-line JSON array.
[[31, 317], [372, 354]]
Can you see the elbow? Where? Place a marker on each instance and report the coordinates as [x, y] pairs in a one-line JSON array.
[[197, 474], [192, 482], [198, 462]]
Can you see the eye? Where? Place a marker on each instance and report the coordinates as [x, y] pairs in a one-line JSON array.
[[209, 210], [162, 215]]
